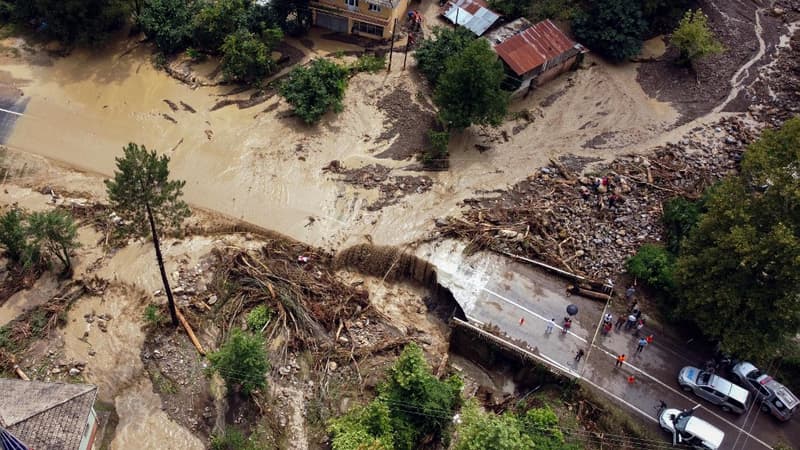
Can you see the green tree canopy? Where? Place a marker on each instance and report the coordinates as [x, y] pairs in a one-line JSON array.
[[55, 233], [367, 428], [679, 219], [511, 9], [613, 28], [142, 194], [654, 265], [432, 53], [14, 238], [662, 15], [420, 404], [293, 16], [242, 362], [739, 271], [218, 19], [694, 39], [247, 57], [168, 23], [469, 92], [81, 21], [485, 431], [314, 90]]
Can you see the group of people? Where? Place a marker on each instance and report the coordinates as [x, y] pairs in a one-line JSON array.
[[608, 191]]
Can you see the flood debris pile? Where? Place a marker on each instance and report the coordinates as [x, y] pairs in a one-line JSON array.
[[375, 176], [19, 334], [310, 305], [591, 223]]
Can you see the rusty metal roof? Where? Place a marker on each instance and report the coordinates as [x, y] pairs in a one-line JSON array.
[[474, 15], [533, 46]]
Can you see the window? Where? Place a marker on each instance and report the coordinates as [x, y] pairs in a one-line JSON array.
[[368, 28], [351, 3], [374, 8]]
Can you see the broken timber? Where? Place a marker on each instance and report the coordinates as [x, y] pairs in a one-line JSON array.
[[581, 285], [190, 332]]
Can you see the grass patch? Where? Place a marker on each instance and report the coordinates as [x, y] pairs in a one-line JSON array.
[[163, 384]]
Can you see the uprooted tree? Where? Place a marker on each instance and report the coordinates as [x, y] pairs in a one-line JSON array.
[[36, 238], [142, 194]]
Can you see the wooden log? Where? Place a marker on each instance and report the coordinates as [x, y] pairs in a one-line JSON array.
[[190, 332]]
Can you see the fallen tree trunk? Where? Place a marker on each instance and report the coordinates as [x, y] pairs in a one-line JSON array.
[[190, 332]]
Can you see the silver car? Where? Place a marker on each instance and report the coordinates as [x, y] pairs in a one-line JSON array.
[[715, 389], [687, 429], [775, 398]]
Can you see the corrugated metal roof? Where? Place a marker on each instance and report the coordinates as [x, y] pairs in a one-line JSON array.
[[534, 46], [473, 15]]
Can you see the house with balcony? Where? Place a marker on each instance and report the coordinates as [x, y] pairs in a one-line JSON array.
[[368, 18]]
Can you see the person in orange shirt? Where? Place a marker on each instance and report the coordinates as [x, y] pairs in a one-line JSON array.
[[649, 339], [620, 360]]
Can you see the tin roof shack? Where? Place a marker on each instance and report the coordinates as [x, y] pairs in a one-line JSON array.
[[534, 54], [48, 416], [473, 15]]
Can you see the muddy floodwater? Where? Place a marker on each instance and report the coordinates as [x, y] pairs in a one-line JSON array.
[[256, 165]]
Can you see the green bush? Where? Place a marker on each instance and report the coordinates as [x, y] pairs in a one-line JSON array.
[[316, 89], [242, 362], [230, 439], [258, 317], [14, 237], [654, 265], [369, 63], [694, 39], [363, 428], [152, 315]]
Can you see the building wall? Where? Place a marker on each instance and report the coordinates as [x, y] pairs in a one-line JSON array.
[[87, 441], [537, 77], [383, 18]]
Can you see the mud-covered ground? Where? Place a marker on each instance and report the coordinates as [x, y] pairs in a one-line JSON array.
[[706, 86]]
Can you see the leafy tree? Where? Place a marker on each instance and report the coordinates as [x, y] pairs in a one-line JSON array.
[[55, 233], [168, 23], [541, 424], [739, 271], [654, 265], [293, 16], [481, 431], [433, 53], [694, 39], [315, 89], [83, 21], [363, 428], [662, 15], [613, 28], [420, 404], [469, 90], [511, 9], [246, 57], [14, 236], [242, 362], [218, 19], [144, 197], [680, 217]]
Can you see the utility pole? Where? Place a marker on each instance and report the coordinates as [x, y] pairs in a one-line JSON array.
[[391, 47]]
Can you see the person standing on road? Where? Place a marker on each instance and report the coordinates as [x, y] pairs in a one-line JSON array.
[[631, 322], [579, 355], [629, 293], [550, 326], [620, 360], [621, 321], [649, 339], [639, 327], [642, 343], [607, 328]]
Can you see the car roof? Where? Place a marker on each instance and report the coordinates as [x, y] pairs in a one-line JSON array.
[[783, 394], [733, 391], [709, 434], [743, 368]]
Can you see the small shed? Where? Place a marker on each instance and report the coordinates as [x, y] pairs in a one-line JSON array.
[[473, 15], [534, 53]]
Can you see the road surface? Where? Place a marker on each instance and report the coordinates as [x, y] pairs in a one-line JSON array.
[[494, 290]]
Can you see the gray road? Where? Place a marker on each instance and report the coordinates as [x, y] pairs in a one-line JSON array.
[[494, 290]]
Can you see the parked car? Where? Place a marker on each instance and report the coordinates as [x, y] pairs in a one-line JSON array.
[[715, 389], [775, 398], [686, 429]]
